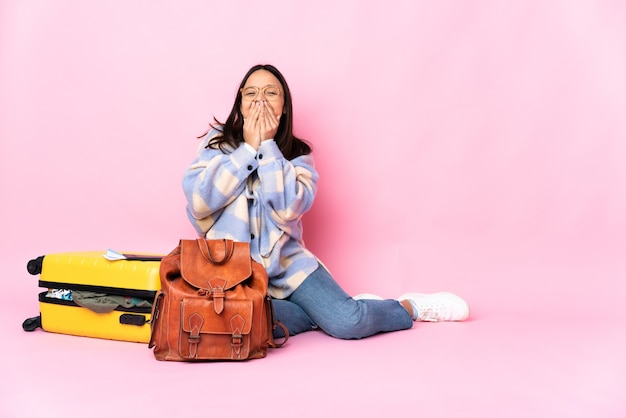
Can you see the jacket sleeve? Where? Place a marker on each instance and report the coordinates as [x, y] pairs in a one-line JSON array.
[[288, 187], [213, 180]]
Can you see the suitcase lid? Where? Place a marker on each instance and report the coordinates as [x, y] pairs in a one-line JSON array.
[[90, 268]]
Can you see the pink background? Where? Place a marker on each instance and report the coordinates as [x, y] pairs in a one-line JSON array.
[[475, 146]]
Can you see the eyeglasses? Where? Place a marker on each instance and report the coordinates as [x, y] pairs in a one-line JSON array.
[[269, 92]]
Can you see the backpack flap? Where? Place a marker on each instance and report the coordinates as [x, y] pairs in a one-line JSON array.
[[203, 260], [207, 334]]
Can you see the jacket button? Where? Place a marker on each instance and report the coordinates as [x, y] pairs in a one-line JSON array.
[[249, 168], [260, 156], [251, 236]]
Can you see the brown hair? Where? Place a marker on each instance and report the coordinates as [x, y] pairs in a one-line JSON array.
[[232, 130]]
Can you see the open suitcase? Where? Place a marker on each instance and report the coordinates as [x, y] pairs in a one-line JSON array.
[[92, 296]]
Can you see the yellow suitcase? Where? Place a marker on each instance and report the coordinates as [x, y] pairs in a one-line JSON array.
[[101, 284]]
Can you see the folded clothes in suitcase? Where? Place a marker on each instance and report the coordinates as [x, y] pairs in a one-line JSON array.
[[93, 296]]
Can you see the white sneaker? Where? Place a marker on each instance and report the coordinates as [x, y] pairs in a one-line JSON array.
[[367, 296], [435, 307]]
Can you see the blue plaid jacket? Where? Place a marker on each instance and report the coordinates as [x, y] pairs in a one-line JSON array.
[[257, 198]]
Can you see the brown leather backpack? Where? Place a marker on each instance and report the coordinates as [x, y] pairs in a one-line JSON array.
[[213, 304]]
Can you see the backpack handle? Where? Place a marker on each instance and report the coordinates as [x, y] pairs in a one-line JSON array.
[[205, 250]]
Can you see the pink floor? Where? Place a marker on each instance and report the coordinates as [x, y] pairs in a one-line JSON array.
[[549, 352]]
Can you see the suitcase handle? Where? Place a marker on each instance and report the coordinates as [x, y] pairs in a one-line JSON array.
[[132, 319]]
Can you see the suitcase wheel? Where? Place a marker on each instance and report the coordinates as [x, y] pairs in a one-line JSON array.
[[34, 266], [32, 324]]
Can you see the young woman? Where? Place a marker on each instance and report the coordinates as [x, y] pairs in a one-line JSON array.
[[252, 181]]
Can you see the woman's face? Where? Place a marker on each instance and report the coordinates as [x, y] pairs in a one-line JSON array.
[[262, 86]]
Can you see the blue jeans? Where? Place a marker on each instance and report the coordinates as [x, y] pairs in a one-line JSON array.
[[320, 302]]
